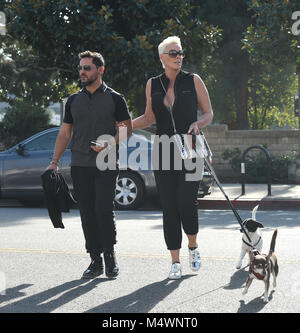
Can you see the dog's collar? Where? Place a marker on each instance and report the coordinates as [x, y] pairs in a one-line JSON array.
[[250, 244], [259, 276]]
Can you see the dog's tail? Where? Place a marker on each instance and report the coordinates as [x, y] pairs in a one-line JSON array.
[[273, 241], [254, 212]]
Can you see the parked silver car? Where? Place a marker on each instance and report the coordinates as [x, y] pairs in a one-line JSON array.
[[22, 165]]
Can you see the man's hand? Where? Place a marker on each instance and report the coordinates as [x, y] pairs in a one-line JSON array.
[[52, 166], [98, 149]]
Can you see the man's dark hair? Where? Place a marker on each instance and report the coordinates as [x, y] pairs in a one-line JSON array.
[[98, 59]]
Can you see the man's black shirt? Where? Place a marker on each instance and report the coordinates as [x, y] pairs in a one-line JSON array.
[[93, 115]]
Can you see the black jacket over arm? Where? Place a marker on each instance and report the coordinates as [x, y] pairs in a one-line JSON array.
[[57, 195]]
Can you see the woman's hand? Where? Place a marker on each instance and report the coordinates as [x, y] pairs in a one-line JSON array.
[[119, 124], [194, 128]]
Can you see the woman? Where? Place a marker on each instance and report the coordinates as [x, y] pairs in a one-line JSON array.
[[182, 93]]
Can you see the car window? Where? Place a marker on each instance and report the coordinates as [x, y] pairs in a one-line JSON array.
[[43, 142]]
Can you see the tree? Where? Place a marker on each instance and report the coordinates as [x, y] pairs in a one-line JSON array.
[[242, 90], [270, 103], [21, 121], [22, 76], [127, 33], [271, 39], [231, 68]]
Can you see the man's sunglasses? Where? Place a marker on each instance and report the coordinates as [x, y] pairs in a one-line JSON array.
[[174, 53], [86, 68]]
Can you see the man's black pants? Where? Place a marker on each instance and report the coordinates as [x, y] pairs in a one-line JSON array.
[[95, 192]]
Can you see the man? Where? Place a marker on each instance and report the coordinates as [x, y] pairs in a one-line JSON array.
[[93, 111]]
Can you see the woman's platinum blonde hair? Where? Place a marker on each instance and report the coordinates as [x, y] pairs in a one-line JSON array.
[[170, 40]]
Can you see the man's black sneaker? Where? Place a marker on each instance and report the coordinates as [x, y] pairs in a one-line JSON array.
[[95, 269], [111, 267]]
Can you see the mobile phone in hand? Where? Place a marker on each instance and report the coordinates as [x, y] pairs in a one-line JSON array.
[[98, 143]]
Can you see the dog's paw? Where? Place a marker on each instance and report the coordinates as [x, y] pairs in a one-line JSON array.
[[244, 292], [266, 299], [238, 266]]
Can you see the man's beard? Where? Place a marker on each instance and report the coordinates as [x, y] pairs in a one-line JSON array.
[[89, 81]]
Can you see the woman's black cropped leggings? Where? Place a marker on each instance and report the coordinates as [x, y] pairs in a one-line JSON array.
[[179, 203]]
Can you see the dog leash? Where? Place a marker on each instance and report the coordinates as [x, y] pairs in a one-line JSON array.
[[212, 171], [259, 239]]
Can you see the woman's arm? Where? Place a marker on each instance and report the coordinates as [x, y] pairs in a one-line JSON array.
[[205, 106], [148, 117]]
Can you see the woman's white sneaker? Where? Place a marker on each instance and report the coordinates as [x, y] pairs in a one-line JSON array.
[[195, 260], [175, 272]]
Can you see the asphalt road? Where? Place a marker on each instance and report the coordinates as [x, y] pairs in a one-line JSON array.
[[41, 267]]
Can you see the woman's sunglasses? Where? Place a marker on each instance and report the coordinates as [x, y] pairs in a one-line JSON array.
[[174, 53]]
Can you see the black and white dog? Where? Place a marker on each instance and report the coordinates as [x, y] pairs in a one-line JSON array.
[[254, 233]]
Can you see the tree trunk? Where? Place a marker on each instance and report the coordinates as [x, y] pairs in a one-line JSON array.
[[241, 96]]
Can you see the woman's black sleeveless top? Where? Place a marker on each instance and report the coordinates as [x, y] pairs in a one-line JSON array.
[[184, 107], [184, 113]]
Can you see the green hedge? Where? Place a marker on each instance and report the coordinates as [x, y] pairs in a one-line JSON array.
[[22, 120], [256, 165]]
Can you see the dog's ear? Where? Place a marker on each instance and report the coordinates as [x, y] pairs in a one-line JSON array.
[[245, 222], [259, 225], [251, 225]]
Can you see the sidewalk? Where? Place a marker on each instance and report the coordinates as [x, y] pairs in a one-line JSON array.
[[283, 197]]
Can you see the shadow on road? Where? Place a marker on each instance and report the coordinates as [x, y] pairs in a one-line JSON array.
[[238, 279], [42, 302], [254, 306], [141, 300]]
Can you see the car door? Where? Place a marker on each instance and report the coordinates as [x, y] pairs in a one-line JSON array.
[[22, 170]]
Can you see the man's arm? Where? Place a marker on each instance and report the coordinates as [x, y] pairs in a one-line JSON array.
[[62, 141]]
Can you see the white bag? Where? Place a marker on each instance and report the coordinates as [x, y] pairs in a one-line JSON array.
[[189, 145], [192, 145]]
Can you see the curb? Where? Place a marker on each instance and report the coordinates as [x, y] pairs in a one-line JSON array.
[[264, 204]]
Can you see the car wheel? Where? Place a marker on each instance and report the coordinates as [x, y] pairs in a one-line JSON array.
[[130, 191]]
